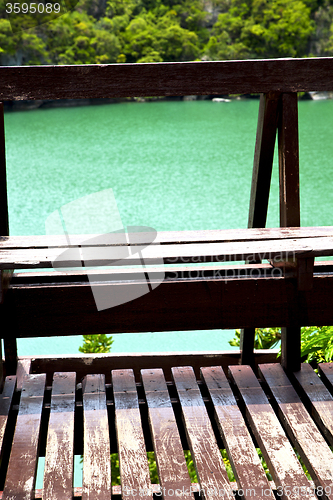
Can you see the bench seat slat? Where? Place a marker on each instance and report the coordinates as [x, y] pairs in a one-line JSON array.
[[169, 237], [249, 472], [170, 254], [209, 465], [326, 372], [278, 453], [134, 468], [59, 458], [172, 468], [321, 400], [21, 473], [96, 452], [300, 427]]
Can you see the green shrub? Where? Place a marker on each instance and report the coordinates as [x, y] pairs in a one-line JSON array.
[[96, 344], [316, 342]]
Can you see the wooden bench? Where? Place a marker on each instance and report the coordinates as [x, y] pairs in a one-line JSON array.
[[93, 405], [278, 415], [197, 279]]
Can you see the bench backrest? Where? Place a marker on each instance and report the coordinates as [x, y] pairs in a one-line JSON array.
[[44, 304]]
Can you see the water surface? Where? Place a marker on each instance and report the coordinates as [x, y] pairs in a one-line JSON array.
[[171, 165]]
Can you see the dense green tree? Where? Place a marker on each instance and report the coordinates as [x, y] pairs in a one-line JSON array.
[[76, 38], [151, 39], [22, 47], [108, 31], [261, 29]]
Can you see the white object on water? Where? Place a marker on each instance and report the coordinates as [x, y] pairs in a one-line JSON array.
[[220, 99], [319, 96]]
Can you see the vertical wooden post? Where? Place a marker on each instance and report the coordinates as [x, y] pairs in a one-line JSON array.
[[290, 215], [289, 162], [4, 224], [9, 345], [261, 182], [10, 349]]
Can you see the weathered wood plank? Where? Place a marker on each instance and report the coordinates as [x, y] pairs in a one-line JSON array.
[[278, 453], [249, 473], [172, 237], [326, 372], [320, 398], [21, 473], [246, 465], [23, 369], [209, 304], [59, 457], [171, 464], [38, 277], [134, 469], [276, 250], [194, 78], [300, 427], [96, 451], [209, 465], [91, 363], [174, 272]]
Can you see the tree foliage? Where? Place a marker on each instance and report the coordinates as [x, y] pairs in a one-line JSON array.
[[110, 31], [261, 29], [316, 342], [96, 344]]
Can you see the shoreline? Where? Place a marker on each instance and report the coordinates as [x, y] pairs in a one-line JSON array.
[[27, 105]]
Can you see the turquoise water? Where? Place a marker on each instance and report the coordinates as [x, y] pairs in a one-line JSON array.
[[171, 165]]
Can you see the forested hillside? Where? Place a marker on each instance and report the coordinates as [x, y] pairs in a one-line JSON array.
[[108, 31]]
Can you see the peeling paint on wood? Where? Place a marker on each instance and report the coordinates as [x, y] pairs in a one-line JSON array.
[[303, 432], [171, 464], [205, 452], [320, 398], [96, 453], [59, 458], [250, 475], [274, 444], [134, 469], [21, 474]]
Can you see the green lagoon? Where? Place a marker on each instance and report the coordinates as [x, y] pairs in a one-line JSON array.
[[177, 165]]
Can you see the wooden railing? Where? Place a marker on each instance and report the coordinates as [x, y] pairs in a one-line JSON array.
[[41, 304]]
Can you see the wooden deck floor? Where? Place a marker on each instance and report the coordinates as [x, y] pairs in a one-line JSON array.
[[240, 413], [142, 407]]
